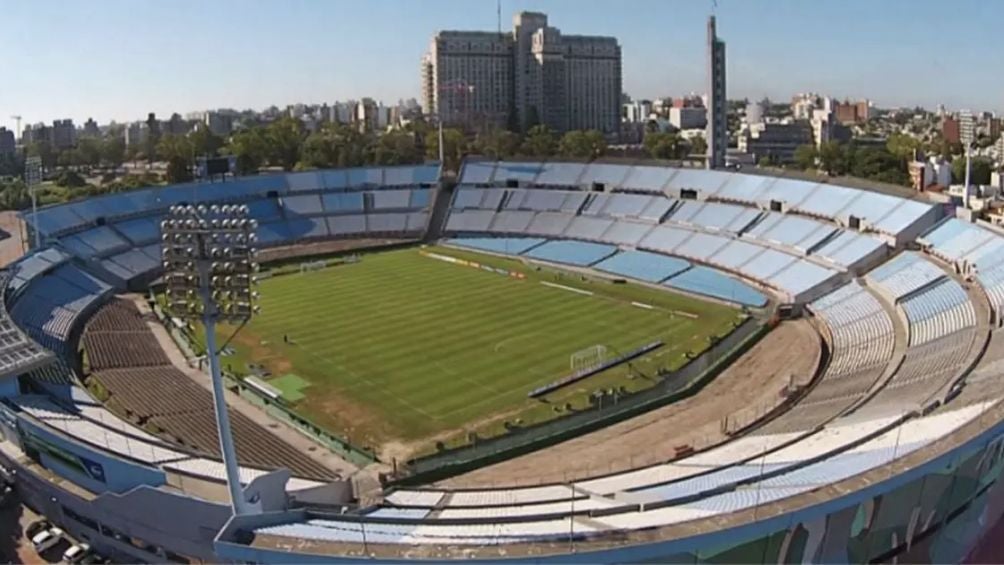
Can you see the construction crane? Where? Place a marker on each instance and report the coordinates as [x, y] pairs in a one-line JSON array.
[[17, 132]]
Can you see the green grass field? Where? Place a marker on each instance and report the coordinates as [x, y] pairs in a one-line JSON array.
[[403, 348]]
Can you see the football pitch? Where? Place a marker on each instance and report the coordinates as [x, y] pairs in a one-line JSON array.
[[401, 347]]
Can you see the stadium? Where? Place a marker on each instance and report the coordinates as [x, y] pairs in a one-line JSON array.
[[529, 362]]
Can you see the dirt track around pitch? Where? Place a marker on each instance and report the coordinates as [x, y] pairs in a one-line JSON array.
[[789, 353]]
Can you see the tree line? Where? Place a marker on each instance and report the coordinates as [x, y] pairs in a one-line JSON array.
[[287, 144], [887, 163]]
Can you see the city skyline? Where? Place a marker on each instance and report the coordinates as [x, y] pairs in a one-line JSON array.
[[309, 54]]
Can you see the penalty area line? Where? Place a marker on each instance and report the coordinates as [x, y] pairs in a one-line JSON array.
[[568, 288]]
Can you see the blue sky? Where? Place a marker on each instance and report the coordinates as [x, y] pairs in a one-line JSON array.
[[118, 59]]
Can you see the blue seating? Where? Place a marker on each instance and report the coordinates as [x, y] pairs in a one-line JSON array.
[[342, 202], [476, 172], [420, 198], [140, 231], [641, 265], [275, 233], [410, 175], [306, 228], [469, 197], [347, 225], [305, 181], [31, 266], [391, 199], [709, 282], [55, 219], [572, 252], [302, 205], [364, 177], [507, 245], [265, 210], [905, 274], [387, 223], [99, 241], [132, 263]]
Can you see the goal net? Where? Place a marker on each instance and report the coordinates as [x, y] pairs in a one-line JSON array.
[[588, 357], [312, 266]]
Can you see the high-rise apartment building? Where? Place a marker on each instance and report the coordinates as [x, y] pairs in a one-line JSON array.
[[7, 145], [717, 133], [848, 112], [532, 75], [64, 134]]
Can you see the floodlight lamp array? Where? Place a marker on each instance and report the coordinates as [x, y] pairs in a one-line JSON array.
[[209, 262]]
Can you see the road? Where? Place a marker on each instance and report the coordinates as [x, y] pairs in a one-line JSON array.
[[14, 548]]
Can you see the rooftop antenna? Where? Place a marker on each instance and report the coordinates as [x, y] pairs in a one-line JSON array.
[[498, 16]]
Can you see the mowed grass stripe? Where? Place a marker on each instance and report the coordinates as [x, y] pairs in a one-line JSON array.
[[429, 346]]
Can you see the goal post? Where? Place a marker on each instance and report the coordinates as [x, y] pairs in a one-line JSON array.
[[313, 266], [588, 357]]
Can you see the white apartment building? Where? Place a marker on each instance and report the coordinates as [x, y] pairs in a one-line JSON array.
[[532, 75], [688, 118]]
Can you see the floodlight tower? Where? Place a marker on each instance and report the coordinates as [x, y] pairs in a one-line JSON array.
[[33, 177], [209, 266]]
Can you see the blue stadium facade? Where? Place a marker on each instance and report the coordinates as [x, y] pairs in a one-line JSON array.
[[894, 453]]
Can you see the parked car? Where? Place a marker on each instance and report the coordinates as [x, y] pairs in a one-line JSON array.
[[76, 553], [37, 527], [47, 539]]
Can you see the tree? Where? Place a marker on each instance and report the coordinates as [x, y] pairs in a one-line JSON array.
[[14, 195], [178, 170], [666, 145], [285, 137], [805, 157], [113, 152], [334, 145], [902, 146], [88, 152], [204, 142], [583, 144], [539, 142], [698, 145], [979, 172], [395, 148], [454, 148], [250, 148], [833, 158], [877, 163], [175, 147], [43, 150], [70, 179], [498, 143], [10, 165]]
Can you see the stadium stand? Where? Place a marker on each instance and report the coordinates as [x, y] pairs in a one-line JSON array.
[[571, 252], [883, 397], [711, 283], [18, 353], [904, 275], [975, 251], [506, 245], [126, 359], [641, 265], [50, 305]]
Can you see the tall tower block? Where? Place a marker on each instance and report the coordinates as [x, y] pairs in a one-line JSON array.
[[717, 134]]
